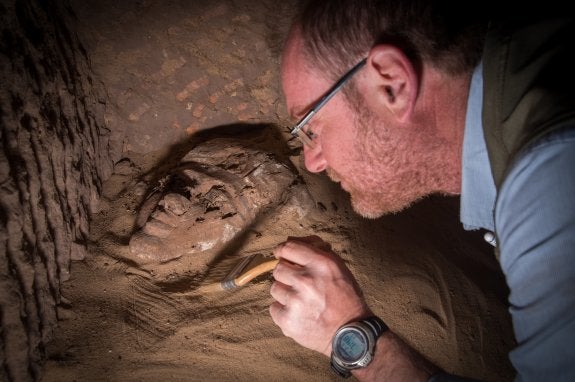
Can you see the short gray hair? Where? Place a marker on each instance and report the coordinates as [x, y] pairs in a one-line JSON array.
[[338, 33]]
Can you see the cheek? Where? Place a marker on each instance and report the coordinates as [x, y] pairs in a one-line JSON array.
[[340, 156], [339, 142]]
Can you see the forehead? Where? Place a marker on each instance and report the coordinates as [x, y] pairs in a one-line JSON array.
[[301, 83]]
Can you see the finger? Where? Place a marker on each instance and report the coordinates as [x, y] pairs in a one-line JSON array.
[[278, 313], [281, 292], [297, 252], [287, 273]]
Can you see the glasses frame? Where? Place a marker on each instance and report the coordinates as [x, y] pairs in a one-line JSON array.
[[298, 131]]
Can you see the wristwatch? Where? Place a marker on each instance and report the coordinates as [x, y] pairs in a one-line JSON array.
[[353, 345]]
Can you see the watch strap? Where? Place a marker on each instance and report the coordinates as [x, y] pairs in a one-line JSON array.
[[377, 325], [339, 370]]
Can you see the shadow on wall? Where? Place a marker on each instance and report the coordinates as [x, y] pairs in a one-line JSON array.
[[55, 153]]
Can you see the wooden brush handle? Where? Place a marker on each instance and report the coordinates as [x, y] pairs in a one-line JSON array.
[[254, 272]]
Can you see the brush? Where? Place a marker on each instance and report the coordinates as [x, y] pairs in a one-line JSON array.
[[241, 272]]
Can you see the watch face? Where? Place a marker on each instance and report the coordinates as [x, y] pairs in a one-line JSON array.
[[351, 345]]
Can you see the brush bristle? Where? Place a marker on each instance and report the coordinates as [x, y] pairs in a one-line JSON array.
[[218, 272]]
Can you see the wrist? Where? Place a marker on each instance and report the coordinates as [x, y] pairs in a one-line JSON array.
[[395, 360]]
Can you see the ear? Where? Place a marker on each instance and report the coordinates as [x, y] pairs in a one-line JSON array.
[[393, 81]]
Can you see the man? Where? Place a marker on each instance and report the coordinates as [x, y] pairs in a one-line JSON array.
[[434, 105]]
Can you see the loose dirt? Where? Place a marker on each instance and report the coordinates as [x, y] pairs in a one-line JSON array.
[[171, 70]]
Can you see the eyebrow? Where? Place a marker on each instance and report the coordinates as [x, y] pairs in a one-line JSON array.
[[297, 112]]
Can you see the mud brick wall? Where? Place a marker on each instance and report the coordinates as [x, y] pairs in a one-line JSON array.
[[54, 156], [174, 68]]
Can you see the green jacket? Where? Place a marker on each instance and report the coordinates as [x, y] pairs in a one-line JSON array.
[[525, 65]]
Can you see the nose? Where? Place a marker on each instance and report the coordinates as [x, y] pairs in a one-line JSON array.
[[314, 159], [176, 203]]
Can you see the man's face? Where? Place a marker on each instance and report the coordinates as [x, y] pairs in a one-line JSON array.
[[372, 158]]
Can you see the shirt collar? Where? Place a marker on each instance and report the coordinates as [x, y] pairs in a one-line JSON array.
[[477, 187]]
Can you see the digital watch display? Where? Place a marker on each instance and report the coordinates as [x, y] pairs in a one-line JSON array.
[[354, 343]]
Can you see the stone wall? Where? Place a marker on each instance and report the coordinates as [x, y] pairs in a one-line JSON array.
[[55, 153]]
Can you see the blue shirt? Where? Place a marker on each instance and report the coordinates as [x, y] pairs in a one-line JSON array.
[[534, 218]]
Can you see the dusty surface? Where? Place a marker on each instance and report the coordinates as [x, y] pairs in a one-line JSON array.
[[172, 69], [435, 285]]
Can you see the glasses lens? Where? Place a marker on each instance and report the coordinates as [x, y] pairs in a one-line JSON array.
[[305, 138]]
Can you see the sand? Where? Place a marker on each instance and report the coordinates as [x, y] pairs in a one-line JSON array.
[[437, 286]]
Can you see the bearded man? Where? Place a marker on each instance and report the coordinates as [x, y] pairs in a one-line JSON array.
[[397, 100]]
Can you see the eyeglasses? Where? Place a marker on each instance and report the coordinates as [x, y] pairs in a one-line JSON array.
[[298, 131]]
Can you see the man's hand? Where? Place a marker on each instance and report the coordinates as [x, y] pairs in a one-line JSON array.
[[315, 293]]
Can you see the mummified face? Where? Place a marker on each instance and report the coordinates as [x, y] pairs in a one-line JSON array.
[[215, 193]]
